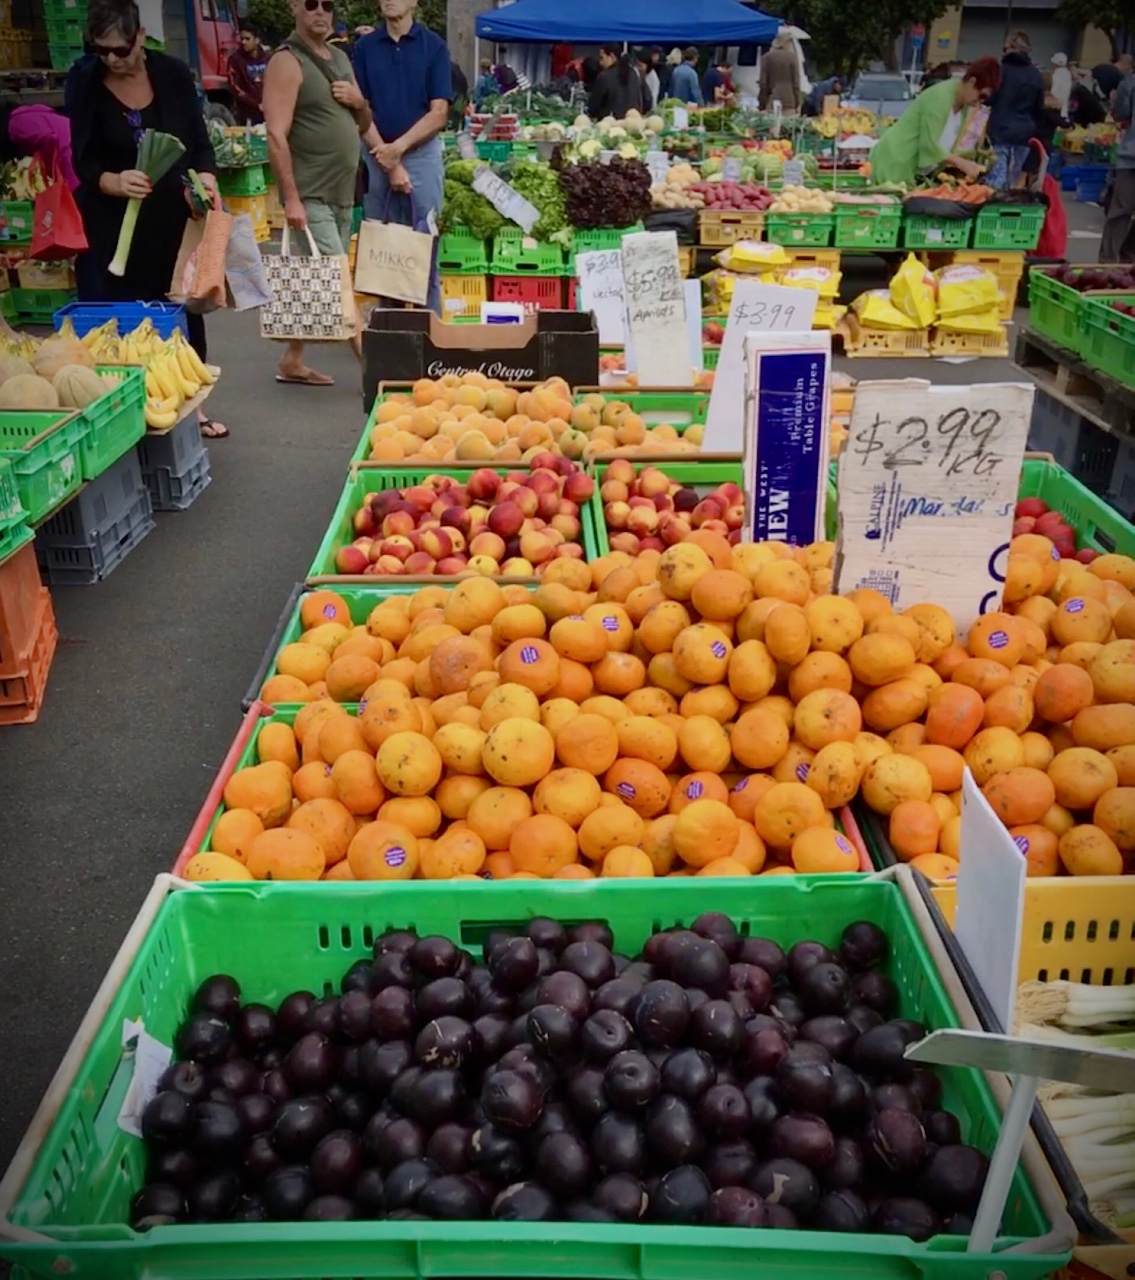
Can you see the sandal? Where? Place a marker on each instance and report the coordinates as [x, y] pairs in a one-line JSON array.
[[213, 430], [306, 378]]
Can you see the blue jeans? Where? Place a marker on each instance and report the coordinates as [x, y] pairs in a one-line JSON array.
[[426, 167], [1008, 162]]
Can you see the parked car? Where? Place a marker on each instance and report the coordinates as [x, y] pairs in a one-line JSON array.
[[883, 92]]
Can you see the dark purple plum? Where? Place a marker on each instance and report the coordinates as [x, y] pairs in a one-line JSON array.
[[904, 1216], [405, 1182], [753, 983], [804, 1078], [255, 1027], [187, 1078], [381, 1064], [496, 1154], [764, 1104], [803, 1137], [218, 1131], [330, 1209], [336, 1162], [604, 1034], [287, 1192], [563, 1165], [874, 989], [490, 1037], [592, 931], [863, 945], [942, 1128], [688, 1073], [392, 969], [672, 1132], [512, 1102], [218, 995], [846, 1167], [729, 1164], [395, 940], [568, 990], [717, 927], [291, 1013], [736, 1206], [369, 1193], [395, 1143], [716, 1028], [173, 1166], [704, 965], [661, 1013], [437, 1096], [617, 995], [723, 1110], [451, 1198], [618, 1144], [357, 978], [448, 1147], [589, 960], [237, 1075], [514, 964], [896, 1141], [879, 1054], [393, 1014], [824, 988], [323, 1018], [311, 1062], [447, 1041], [954, 1178], [444, 997], [631, 1081], [789, 1183], [765, 954], [586, 1093], [256, 1111], [547, 934], [524, 1202], [841, 1210], [683, 1196], [157, 1200], [435, 957], [622, 1196], [169, 1117], [204, 1038], [551, 1029], [833, 1032]]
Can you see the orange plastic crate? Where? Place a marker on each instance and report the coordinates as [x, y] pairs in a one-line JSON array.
[[21, 694], [20, 588]]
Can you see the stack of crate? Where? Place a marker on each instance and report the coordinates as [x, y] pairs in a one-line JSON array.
[[66, 22], [245, 190], [28, 638], [463, 268]]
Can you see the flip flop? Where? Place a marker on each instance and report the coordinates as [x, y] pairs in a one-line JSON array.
[[308, 378], [213, 430]]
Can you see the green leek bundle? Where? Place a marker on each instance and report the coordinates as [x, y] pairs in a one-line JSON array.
[[157, 154]]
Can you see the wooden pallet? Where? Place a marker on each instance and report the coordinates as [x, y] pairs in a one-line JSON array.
[[1103, 401]]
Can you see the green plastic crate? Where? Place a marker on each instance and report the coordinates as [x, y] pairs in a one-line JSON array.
[[251, 180], [460, 252], [1108, 342], [680, 409], [1008, 227], [64, 56], [867, 226], [11, 508], [20, 217], [43, 446], [1096, 522], [598, 240], [826, 180], [921, 232], [356, 219], [1056, 310], [68, 27], [13, 538], [517, 255], [496, 152], [710, 357], [115, 421], [367, 480], [276, 938], [800, 230], [38, 306]]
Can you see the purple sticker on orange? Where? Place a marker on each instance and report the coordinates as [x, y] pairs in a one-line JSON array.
[[1022, 843], [625, 790], [998, 639], [329, 610], [395, 856], [843, 844], [694, 790], [718, 649], [740, 786], [362, 705], [1074, 606], [529, 654], [610, 622], [803, 769]]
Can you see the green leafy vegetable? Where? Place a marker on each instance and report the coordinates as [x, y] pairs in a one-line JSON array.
[[157, 154], [538, 184]]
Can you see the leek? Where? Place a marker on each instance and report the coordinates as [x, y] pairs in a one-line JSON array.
[[1050, 1035], [157, 154], [1075, 1004]]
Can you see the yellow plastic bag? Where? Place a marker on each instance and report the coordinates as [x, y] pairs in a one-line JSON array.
[[913, 292], [751, 256], [988, 321], [823, 279], [965, 289], [876, 311]]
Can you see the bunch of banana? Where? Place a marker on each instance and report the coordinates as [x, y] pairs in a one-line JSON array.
[[99, 339], [175, 373]]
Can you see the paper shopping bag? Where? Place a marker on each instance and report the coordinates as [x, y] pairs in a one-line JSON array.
[[312, 299], [394, 261], [58, 225], [244, 268], [199, 272]]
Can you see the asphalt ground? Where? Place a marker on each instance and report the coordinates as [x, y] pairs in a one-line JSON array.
[[144, 696]]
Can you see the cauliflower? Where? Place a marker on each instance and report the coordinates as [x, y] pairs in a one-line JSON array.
[[581, 122], [655, 124], [628, 151], [616, 133], [590, 149]]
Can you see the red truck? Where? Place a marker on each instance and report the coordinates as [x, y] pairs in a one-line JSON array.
[[212, 36]]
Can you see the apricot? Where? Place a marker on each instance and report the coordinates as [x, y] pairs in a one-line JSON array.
[[785, 810], [827, 715], [1080, 776], [1086, 850], [821, 850], [993, 751], [705, 831], [889, 780], [285, 854], [954, 715]]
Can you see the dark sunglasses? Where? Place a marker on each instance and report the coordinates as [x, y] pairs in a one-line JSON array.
[[114, 51], [328, 6]]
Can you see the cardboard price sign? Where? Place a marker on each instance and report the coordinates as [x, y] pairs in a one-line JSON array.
[[466, 147], [658, 162], [656, 308], [927, 485], [601, 291], [508, 202]]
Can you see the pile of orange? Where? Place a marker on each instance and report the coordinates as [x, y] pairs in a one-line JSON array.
[[469, 418], [704, 710]]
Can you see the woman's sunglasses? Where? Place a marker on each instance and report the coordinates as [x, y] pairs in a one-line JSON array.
[[328, 6], [114, 51]]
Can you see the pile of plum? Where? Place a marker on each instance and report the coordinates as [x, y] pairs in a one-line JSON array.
[[716, 1079]]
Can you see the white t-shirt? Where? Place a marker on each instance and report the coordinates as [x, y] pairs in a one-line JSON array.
[[950, 132]]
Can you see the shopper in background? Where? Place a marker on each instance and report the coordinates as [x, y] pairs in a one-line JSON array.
[[617, 88], [486, 86], [1061, 85], [1117, 244], [684, 82], [315, 114], [663, 70], [1084, 108], [650, 84], [1109, 75], [780, 76], [1015, 111], [926, 135], [247, 65], [404, 74], [126, 90], [38, 130], [814, 105], [717, 83]]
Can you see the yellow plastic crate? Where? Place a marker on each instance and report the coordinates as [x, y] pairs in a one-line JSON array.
[[1007, 267], [1080, 928], [829, 258], [944, 343], [858, 341], [462, 295], [34, 274], [718, 228], [686, 259], [257, 209], [275, 208]]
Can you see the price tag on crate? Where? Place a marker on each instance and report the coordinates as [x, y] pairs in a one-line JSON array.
[[927, 484], [466, 147], [601, 291], [658, 162], [731, 168], [507, 201], [793, 175], [756, 308], [656, 308], [991, 900], [679, 118]]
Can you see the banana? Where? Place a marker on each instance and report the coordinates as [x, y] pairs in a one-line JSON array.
[[169, 389], [153, 387], [202, 372], [161, 414], [181, 358], [188, 387]]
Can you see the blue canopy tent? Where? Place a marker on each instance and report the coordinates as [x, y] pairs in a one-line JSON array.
[[664, 22]]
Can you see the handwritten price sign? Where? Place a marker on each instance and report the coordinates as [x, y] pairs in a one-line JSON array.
[[507, 201], [656, 308], [927, 484], [602, 292]]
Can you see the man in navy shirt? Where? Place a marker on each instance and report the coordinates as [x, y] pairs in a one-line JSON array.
[[403, 70]]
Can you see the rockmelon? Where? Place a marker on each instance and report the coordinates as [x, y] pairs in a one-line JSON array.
[[77, 386], [54, 353], [12, 366], [28, 391]]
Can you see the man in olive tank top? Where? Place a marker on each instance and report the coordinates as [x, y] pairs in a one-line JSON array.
[[315, 115]]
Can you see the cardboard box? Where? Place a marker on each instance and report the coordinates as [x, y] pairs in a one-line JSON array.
[[402, 345]]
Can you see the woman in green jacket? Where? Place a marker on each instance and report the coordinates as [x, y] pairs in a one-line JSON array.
[[925, 135]]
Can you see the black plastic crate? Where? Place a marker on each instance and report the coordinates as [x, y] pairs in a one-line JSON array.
[[172, 465], [170, 492], [1082, 448], [101, 503], [67, 565]]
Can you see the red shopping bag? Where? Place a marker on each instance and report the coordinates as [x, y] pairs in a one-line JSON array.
[[1054, 237], [58, 230]]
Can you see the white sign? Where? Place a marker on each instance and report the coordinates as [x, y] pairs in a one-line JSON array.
[[991, 901], [658, 162], [681, 118], [151, 1058], [693, 330], [506, 201], [793, 174], [656, 308], [601, 291], [927, 485], [466, 147], [785, 456], [731, 168], [756, 308]]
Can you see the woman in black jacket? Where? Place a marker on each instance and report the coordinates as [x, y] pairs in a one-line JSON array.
[[1015, 111], [124, 91], [617, 88]]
